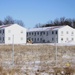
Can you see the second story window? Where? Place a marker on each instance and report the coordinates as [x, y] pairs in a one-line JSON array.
[[32, 33], [21, 31], [27, 33], [47, 33], [61, 32], [52, 32], [72, 33], [44, 33], [40, 33], [56, 32], [67, 32], [0, 31], [37, 33]]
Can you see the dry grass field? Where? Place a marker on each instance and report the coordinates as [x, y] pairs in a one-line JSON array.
[[37, 60]]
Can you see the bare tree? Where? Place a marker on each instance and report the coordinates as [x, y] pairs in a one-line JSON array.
[[20, 22], [1, 23], [8, 20]]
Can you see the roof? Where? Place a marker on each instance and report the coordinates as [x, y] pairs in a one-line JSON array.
[[45, 28], [4, 26]]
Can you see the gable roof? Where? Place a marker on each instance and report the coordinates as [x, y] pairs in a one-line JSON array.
[[46, 28], [5, 26]]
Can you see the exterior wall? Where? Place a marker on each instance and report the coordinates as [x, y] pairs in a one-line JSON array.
[[16, 34], [36, 36], [53, 36], [43, 36], [66, 35], [2, 35]]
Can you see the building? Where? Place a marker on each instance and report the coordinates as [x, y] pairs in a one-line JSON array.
[[13, 33], [54, 34]]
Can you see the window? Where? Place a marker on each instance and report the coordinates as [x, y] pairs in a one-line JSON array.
[[32, 33], [9, 31], [72, 33], [44, 33], [56, 32], [61, 39], [0, 31], [47, 33], [72, 39], [3, 31], [52, 32], [37, 33], [32, 39], [52, 39], [27, 33], [21, 31], [40, 33], [0, 38], [40, 39], [8, 38], [3, 38], [21, 38], [67, 32], [61, 32], [37, 39], [67, 39]]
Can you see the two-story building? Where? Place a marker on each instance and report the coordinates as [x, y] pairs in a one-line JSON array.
[[53, 34], [13, 33]]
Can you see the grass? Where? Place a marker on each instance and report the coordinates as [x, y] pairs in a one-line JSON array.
[[28, 57]]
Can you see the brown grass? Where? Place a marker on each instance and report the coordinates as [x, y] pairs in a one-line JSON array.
[[25, 54]]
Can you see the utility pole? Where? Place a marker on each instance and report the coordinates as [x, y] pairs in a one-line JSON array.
[[55, 50], [13, 50]]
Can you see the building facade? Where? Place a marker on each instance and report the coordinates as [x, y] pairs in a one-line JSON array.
[[54, 34], [12, 34]]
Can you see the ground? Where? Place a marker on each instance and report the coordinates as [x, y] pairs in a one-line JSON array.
[[34, 59]]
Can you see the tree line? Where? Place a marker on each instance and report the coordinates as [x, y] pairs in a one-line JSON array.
[[58, 22], [10, 20]]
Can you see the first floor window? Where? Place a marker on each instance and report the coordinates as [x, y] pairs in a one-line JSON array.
[[67, 39], [40, 39], [0, 38], [52, 39], [21, 38], [72, 39], [8, 38], [61, 39], [37, 39], [3, 38], [32, 39]]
